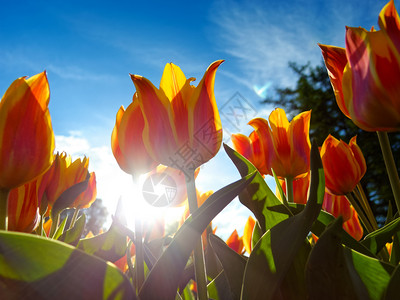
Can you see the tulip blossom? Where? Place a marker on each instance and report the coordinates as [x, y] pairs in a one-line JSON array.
[[26, 134], [23, 209], [366, 74], [300, 189], [344, 165], [87, 197], [182, 124], [235, 242], [337, 206], [251, 149], [353, 226], [127, 142], [64, 174], [248, 234], [286, 145]]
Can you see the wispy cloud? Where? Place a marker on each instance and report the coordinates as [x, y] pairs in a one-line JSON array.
[[265, 36]]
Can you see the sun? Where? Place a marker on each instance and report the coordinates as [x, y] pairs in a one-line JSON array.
[[137, 204]]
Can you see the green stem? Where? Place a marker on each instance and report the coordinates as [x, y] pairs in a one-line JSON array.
[[289, 189], [390, 166], [199, 265], [54, 225], [139, 259], [4, 209], [74, 216], [360, 195], [40, 231]]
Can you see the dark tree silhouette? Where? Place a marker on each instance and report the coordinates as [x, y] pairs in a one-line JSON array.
[[313, 90]]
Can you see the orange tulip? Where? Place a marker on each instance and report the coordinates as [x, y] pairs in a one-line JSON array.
[[87, 197], [201, 198], [353, 226], [300, 189], [286, 146], [344, 165], [235, 242], [182, 124], [251, 149], [62, 175], [23, 209], [26, 134], [337, 206], [365, 76], [127, 142], [248, 234]]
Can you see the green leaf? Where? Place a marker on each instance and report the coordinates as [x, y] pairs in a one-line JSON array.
[[164, 277], [377, 239], [392, 290], [375, 274], [60, 229], [232, 262], [275, 252], [323, 220], [258, 197], [219, 288], [327, 274], [72, 236], [33, 267], [293, 286], [395, 255], [110, 245]]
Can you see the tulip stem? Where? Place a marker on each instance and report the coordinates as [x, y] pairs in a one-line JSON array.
[[54, 224], [199, 265], [139, 259], [138, 240], [390, 166], [362, 198], [74, 216], [289, 189], [4, 208]]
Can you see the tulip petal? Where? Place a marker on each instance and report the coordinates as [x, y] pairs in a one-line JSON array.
[[121, 159], [178, 90], [131, 142], [389, 22], [205, 130], [335, 62], [373, 101], [159, 137]]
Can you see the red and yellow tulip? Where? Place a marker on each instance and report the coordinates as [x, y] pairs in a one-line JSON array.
[[127, 142], [300, 189], [26, 133], [182, 124], [62, 175], [23, 209], [366, 74], [337, 206], [235, 242], [251, 149], [286, 145], [87, 197], [248, 234], [344, 165]]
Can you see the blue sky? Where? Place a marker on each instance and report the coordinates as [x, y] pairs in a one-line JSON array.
[[89, 48]]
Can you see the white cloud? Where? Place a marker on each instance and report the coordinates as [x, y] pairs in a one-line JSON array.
[[264, 36]]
